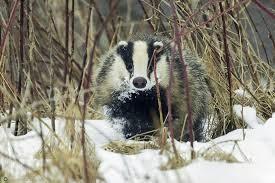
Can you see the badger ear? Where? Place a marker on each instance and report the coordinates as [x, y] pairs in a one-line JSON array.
[[122, 43], [158, 46]]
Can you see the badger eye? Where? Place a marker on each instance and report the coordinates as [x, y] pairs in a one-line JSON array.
[[130, 68], [158, 48]]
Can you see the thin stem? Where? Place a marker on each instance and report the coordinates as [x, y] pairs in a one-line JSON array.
[[228, 63], [10, 22], [262, 7], [20, 68], [169, 101], [177, 39], [72, 41], [67, 16], [158, 90], [85, 52]]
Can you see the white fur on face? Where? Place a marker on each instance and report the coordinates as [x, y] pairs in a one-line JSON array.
[[118, 74], [122, 43], [162, 71], [140, 59], [140, 63], [158, 44]]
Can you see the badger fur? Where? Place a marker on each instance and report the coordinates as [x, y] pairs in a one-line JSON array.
[[125, 83]]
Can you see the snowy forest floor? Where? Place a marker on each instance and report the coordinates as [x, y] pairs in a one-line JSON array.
[[243, 155]]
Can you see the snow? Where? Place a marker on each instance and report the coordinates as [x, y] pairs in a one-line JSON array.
[[96, 130], [242, 93], [250, 116], [22, 148], [254, 148]]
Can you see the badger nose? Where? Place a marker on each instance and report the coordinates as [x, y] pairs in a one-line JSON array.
[[139, 82]]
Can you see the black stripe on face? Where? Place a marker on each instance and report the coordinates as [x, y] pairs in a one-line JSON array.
[[150, 51], [126, 53]]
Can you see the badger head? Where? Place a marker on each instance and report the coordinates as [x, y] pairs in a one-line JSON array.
[[134, 62]]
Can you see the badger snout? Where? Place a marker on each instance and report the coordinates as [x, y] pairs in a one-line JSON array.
[[139, 82]]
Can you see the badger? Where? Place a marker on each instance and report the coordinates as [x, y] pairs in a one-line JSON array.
[[125, 84]]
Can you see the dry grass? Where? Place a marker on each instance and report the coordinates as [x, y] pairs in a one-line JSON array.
[[175, 162], [217, 154], [64, 165], [130, 147]]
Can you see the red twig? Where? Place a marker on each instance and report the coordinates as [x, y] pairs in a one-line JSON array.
[[72, 41], [1, 94], [158, 93], [157, 87], [20, 68], [10, 22], [262, 7], [11, 68], [28, 16], [86, 175], [85, 52], [185, 77], [67, 16], [86, 86], [72, 33], [169, 101], [228, 63]]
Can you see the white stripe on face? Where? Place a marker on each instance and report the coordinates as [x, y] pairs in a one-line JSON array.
[[162, 72], [140, 59], [118, 73]]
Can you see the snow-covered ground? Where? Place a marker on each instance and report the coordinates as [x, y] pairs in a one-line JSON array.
[[253, 148]]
